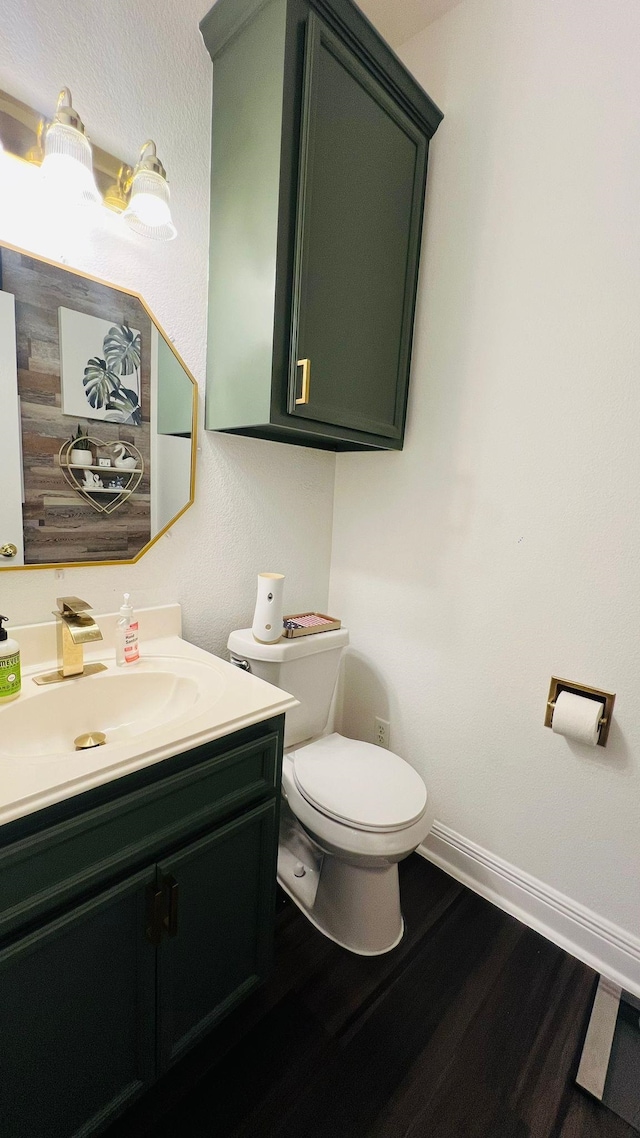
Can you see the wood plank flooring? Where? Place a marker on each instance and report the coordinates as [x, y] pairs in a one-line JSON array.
[[471, 1028]]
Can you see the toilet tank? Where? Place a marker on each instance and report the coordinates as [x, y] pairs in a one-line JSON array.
[[305, 666]]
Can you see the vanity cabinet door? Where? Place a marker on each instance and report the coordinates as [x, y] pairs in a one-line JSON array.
[[220, 902], [359, 216], [77, 1016]]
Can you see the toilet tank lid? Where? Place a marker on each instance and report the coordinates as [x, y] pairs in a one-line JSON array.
[[243, 643]]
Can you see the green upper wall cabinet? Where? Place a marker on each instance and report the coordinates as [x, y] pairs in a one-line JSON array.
[[319, 160]]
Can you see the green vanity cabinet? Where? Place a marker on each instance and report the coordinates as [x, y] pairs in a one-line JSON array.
[[139, 914], [319, 159], [77, 1007]]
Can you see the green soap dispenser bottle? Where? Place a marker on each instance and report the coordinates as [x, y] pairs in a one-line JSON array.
[[10, 682]]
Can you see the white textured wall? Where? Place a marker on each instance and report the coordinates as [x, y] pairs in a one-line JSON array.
[[137, 71], [397, 20], [503, 544]]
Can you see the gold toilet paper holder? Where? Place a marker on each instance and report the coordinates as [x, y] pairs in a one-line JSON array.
[[606, 698]]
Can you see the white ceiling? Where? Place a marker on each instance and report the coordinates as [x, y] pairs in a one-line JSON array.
[[398, 20]]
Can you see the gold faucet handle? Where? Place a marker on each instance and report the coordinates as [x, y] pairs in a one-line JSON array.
[[73, 616], [72, 606]]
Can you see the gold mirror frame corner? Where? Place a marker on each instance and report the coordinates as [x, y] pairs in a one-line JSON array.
[[194, 418]]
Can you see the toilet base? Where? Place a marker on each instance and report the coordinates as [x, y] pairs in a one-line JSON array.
[[356, 906]]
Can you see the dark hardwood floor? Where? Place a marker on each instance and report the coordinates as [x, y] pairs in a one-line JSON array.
[[471, 1028]]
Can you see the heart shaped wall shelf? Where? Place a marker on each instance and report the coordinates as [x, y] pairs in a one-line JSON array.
[[88, 480]]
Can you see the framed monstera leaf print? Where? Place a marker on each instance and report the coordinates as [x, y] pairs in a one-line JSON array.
[[99, 368]]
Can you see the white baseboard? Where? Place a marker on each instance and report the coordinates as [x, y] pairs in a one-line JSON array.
[[593, 939]]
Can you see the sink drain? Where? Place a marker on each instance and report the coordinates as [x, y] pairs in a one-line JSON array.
[[91, 739]]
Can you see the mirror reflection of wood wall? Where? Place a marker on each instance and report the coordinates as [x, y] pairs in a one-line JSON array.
[[58, 525]]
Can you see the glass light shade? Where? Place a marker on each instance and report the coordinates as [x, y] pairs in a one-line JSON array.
[[148, 212], [67, 167]]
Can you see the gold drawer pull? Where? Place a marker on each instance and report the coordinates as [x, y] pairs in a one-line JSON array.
[[8, 550], [306, 381]]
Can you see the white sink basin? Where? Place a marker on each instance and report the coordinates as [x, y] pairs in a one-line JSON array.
[[175, 698], [123, 704]]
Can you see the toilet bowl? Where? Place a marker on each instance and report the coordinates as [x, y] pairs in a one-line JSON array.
[[350, 812], [364, 810]]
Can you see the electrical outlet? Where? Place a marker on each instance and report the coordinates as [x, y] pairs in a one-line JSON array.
[[382, 730]]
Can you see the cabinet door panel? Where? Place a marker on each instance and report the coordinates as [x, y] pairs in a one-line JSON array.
[[77, 1017], [222, 942], [360, 199]]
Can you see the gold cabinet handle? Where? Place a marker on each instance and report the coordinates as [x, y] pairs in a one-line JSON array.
[[306, 381], [8, 550]]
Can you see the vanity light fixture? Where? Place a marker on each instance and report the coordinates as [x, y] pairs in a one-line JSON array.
[[73, 170], [67, 164], [142, 196], [148, 211]]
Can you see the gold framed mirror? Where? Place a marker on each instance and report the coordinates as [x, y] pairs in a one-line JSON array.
[[98, 419]]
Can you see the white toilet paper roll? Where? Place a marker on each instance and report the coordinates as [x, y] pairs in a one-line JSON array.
[[577, 717]]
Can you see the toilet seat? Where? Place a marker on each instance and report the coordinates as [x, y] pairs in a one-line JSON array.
[[358, 784]]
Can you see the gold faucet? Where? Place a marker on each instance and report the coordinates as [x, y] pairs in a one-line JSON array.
[[75, 628]]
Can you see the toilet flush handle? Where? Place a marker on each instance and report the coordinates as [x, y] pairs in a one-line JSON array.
[[240, 662]]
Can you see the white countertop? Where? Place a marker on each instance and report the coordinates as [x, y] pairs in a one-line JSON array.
[[230, 700]]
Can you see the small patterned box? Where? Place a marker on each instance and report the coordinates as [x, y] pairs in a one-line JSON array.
[[305, 623]]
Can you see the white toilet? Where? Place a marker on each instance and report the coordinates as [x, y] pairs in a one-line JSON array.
[[352, 811]]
